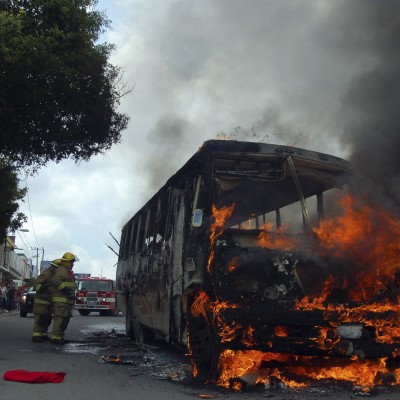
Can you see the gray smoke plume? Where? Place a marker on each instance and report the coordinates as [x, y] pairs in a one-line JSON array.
[[168, 139], [371, 104], [368, 111], [318, 74]]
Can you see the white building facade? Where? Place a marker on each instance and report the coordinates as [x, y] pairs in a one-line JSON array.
[[15, 266]]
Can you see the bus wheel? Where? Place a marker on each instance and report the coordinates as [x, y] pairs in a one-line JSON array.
[[84, 312], [205, 348], [114, 312]]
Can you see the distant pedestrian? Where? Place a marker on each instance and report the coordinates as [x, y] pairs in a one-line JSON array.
[[10, 296], [43, 305], [63, 297], [3, 297]]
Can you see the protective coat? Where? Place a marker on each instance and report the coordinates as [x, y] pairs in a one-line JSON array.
[[43, 306], [63, 297]]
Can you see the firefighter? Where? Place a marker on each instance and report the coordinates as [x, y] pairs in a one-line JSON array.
[[63, 296], [42, 306]]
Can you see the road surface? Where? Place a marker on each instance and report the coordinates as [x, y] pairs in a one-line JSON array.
[[101, 363]]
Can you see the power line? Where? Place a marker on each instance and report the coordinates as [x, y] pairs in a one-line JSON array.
[[30, 212], [37, 258], [24, 241]]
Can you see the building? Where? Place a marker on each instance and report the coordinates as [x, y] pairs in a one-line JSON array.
[[15, 266], [44, 264]]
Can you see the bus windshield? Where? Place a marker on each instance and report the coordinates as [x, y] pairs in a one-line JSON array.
[[263, 190]]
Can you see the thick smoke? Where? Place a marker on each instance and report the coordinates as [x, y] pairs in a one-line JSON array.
[[368, 109], [371, 104], [322, 75], [168, 139]]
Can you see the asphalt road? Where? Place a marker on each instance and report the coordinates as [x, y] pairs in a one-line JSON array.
[[100, 363]]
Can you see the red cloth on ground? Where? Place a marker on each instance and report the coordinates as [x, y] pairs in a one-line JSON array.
[[21, 375]]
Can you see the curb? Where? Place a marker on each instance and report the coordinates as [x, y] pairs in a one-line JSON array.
[[9, 314]]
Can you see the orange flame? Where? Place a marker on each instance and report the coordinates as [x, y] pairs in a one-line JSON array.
[[280, 331], [220, 216], [248, 339], [202, 304], [233, 264], [296, 372], [368, 238], [276, 240]]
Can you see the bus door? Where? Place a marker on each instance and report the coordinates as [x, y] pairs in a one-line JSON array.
[[176, 268]]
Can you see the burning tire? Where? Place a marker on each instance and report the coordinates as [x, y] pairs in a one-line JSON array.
[[205, 348]]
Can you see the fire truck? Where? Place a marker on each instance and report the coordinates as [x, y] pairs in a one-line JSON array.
[[96, 295]]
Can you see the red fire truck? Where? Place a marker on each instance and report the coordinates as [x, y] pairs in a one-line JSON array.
[[96, 295]]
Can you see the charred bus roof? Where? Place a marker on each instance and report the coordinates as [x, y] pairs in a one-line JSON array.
[[314, 168], [234, 146]]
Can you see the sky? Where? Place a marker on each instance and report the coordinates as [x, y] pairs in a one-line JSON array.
[[316, 74]]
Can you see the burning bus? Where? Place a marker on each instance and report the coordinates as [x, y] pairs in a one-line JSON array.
[[258, 260]]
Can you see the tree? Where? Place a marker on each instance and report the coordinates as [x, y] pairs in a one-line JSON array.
[[59, 93], [10, 194]]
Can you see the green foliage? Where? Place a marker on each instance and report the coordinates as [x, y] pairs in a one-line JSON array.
[[10, 194], [59, 94]]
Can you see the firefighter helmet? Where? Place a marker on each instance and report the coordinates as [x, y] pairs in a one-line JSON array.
[[69, 257], [55, 263]]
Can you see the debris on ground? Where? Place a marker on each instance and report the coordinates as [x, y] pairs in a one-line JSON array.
[[112, 359]]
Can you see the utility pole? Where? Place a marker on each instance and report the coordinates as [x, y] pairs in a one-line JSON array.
[[37, 258]]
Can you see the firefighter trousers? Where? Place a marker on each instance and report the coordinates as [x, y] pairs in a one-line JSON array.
[[62, 315], [42, 315]]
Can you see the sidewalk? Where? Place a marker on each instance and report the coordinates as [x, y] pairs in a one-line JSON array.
[[9, 314]]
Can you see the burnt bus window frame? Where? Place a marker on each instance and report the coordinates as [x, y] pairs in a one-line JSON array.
[[138, 233], [147, 231], [162, 226], [153, 238], [126, 240], [122, 248], [131, 236], [143, 244], [159, 223], [152, 229]]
